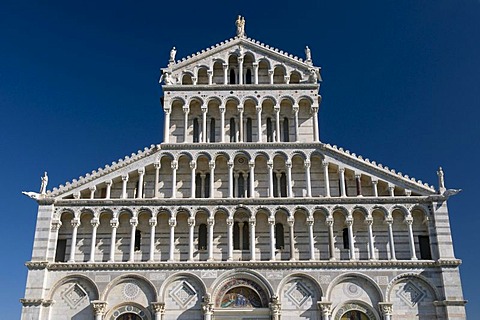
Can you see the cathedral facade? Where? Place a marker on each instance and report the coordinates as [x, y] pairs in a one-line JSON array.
[[243, 213]]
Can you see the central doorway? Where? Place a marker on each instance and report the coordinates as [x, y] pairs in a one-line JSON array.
[[128, 316]]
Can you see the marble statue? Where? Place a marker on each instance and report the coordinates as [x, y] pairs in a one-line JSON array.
[[173, 52], [441, 180], [43, 187], [308, 54], [240, 23]]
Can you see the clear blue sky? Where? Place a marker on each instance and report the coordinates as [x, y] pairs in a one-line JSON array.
[[78, 90]]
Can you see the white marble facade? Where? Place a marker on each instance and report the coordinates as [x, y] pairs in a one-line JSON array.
[[243, 213]]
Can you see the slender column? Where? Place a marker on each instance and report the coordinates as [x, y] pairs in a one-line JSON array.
[[255, 72], [375, 188], [327, 179], [210, 76], [349, 222], [172, 222], [271, 222], [391, 243], [109, 189], [259, 122], [225, 73], [295, 119], [240, 236], [387, 310], [158, 309], [251, 164], [391, 190], [308, 179], [411, 241], [207, 311], [191, 230], [240, 70], [166, 129], [315, 123], [157, 182], [210, 222], [230, 178], [240, 125], [185, 123], [193, 166], [212, 178], [341, 177], [133, 224], [277, 123], [174, 166], [75, 224], [99, 308], [275, 308], [153, 223], [288, 164], [202, 185], [371, 248], [291, 223], [252, 223], [270, 75], [270, 178], [95, 223], [326, 309], [54, 228], [358, 181], [92, 191], [310, 222], [230, 239], [124, 185], [222, 123], [141, 173], [113, 240], [204, 124], [279, 187], [331, 240]]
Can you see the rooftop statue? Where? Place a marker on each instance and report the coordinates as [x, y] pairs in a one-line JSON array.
[[308, 54], [240, 23], [43, 187], [173, 52]]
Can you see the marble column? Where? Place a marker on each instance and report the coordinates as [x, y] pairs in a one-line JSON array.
[[341, 178], [326, 177], [252, 223], [288, 164], [295, 120], [275, 308], [210, 223], [166, 129], [174, 166], [108, 191], [92, 191], [326, 309], [210, 77], [124, 185], [259, 122], [240, 70], [375, 187], [158, 309], [349, 223], [358, 181], [185, 123], [141, 173], [411, 241], [308, 179], [315, 124], [240, 125], [133, 224], [193, 167], [95, 223], [270, 76], [310, 222], [277, 122], [331, 240], [391, 243], [251, 165], [153, 223], [225, 73], [230, 238], [255, 72], [156, 192], [211, 165], [99, 309], [113, 241], [291, 223], [391, 190], [75, 224], [204, 123], [230, 178], [271, 222], [222, 123], [270, 178], [191, 231], [172, 222], [371, 247], [387, 310]]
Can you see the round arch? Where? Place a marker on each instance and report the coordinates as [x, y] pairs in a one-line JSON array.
[[355, 305], [128, 276], [78, 278], [128, 308], [346, 276]]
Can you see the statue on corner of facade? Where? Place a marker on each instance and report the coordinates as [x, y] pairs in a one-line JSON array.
[[43, 187], [173, 52], [308, 54]]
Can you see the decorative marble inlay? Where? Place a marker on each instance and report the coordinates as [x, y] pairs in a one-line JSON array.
[[382, 280], [157, 276], [74, 295], [212, 274], [298, 293], [183, 293], [131, 290], [411, 293], [274, 275], [102, 278], [325, 279], [352, 290]]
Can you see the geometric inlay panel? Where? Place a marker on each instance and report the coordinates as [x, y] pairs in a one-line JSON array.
[[74, 295], [352, 290], [298, 294], [131, 290], [183, 293], [411, 293]]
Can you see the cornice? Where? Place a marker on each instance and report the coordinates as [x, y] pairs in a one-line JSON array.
[[364, 264], [36, 265], [240, 87], [35, 302]]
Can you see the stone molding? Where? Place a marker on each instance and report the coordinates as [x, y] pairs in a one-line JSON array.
[[36, 302]]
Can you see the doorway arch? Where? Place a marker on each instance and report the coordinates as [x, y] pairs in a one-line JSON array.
[[123, 312]]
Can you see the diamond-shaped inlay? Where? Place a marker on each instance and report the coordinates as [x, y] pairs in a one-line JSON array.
[[183, 293], [298, 294], [411, 293], [74, 295]]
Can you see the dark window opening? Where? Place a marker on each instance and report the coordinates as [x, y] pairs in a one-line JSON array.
[[241, 186], [138, 239], [249, 130], [202, 237], [248, 77], [279, 237], [246, 236], [60, 251], [236, 236], [196, 130], [269, 130], [275, 185], [283, 184], [248, 187], [286, 130], [425, 252], [233, 130], [346, 242], [232, 76], [212, 130], [198, 186], [207, 185]]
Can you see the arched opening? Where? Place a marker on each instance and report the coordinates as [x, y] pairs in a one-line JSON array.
[[295, 77], [269, 130], [354, 315], [278, 75], [279, 236], [241, 185], [138, 240], [346, 239], [202, 237], [233, 130], [241, 235], [128, 316], [233, 67], [232, 76], [198, 186], [187, 79], [263, 77], [218, 72], [202, 76], [248, 77]]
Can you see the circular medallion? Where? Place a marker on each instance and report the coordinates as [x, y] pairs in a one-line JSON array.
[[131, 290]]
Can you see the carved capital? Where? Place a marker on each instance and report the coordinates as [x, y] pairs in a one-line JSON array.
[[156, 164], [95, 222], [134, 222], [125, 177], [230, 164], [310, 221], [251, 164], [409, 220], [329, 221], [288, 164], [152, 222], [270, 164], [172, 222], [230, 222], [291, 221], [99, 307], [252, 221], [158, 307], [211, 164], [386, 308], [75, 222], [307, 164], [222, 109], [211, 221], [186, 109], [349, 221], [259, 109], [295, 108], [141, 171], [108, 182], [277, 108], [369, 221], [174, 165], [191, 222], [56, 224], [114, 223], [271, 220], [92, 188], [193, 165], [204, 109], [325, 163], [325, 307]]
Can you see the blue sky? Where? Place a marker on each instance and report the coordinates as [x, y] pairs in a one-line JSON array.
[[78, 90]]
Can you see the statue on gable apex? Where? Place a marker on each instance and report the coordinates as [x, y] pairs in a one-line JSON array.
[[173, 52], [240, 23], [43, 187]]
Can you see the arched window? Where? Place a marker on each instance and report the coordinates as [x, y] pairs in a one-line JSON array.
[[232, 76], [236, 236], [233, 130], [207, 185], [138, 239], [212, 130], [198, 185], [286, 130], [269, 130], [248, 77], [279, 236], [246, 236], [249, 130], [202, 237], [241, 186], [196, 130], [346, 242], [283, 184]]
